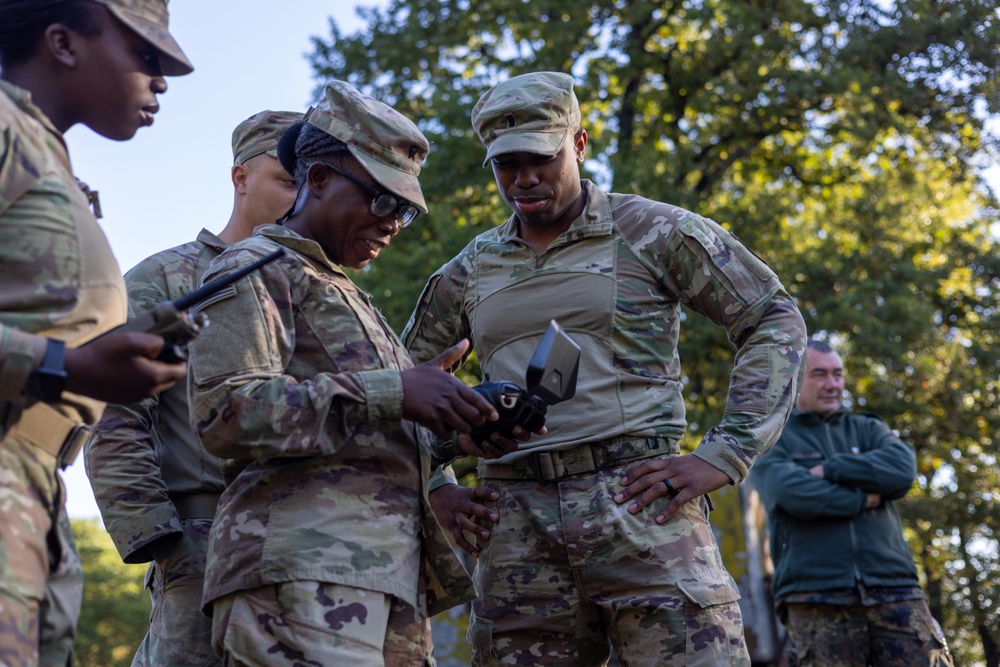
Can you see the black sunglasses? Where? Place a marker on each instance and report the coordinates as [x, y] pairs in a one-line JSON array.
[[383, 204]]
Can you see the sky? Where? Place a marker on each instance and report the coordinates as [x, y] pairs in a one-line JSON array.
[[170, 181]]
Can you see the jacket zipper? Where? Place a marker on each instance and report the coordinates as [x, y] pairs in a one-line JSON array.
[[854, 537]]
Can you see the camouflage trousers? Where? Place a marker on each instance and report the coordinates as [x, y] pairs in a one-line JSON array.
[[896, 634], [41, 578], [180, 635], [568, 575], [317, 624]]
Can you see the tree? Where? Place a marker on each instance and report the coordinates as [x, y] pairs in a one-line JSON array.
[[840, 141], [115, 613]]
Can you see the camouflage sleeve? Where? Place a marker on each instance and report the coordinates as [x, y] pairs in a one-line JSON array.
[[717, 276], [124, 472], [245, 405], [437, 323], [439, 320], [440, 477], [121, 459], [20, 352], [19, 170]]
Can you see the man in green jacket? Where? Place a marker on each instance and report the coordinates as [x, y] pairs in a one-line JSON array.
[[844, 579]]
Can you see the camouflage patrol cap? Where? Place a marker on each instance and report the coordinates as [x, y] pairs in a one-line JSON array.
[[259, 134], [386, 143], [150, 20], [530, 113]]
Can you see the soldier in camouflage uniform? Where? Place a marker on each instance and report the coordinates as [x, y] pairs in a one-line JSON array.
[[844, 580], [323, 550], [63, 62], [156, 486], [577, 561]]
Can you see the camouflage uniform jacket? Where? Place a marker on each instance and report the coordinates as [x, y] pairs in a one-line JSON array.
[[822, 536], [298, 378], [615, 281], [143, 457], [58, 276]]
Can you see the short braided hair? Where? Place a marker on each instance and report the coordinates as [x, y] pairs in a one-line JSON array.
[[23, 22], [302, 144]]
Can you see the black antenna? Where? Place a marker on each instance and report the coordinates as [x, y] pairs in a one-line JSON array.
[[206, 290]]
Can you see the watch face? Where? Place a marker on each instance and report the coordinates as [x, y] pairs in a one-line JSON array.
[[48, 384], [48, 381]]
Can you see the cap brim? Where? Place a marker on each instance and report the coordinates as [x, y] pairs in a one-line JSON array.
[[539, 143], [243, 158], [173, 62], [398, 182]]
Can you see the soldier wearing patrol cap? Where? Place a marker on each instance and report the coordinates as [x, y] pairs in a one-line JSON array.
[[323, 550], [602, 537], [62, 62], [156, 487]]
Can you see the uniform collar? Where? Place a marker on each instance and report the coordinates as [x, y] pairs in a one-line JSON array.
[[209, 239], [300, 244]]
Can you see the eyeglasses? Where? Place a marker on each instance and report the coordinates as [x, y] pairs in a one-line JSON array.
[[383, 204]]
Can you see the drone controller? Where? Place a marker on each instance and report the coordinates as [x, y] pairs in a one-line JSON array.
[[551, 378]]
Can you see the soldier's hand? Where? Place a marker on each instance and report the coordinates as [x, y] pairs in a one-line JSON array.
[[462, 510], [436, 399], [680, 478], [497, 444], [120, 368]]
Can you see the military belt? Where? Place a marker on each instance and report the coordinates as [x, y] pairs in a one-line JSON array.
[[196, 505], [586, 458], [52, 432]]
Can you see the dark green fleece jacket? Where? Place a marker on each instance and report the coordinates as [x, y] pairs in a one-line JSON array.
[[822, 537]]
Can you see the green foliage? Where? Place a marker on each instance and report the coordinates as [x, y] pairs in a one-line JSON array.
[[115, 613], [840, 141]]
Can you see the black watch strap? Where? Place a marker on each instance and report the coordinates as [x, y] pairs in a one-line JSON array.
[[48, 381]]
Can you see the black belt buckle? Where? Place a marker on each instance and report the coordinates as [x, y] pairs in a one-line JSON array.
[[71, 446]]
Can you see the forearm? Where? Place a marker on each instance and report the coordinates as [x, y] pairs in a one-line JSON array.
[[887, 466], [437, 321], [124, 471], [284, 417], [786, 485], [763, 385]]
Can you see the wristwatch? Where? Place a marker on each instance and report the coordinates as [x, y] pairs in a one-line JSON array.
[[48, 381]]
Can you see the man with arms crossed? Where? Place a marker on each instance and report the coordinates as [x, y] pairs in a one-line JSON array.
[[844, 580]]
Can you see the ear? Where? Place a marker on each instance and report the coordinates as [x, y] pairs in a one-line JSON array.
[[580, 145], [239, 176], [61, 43], [317, 178]]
